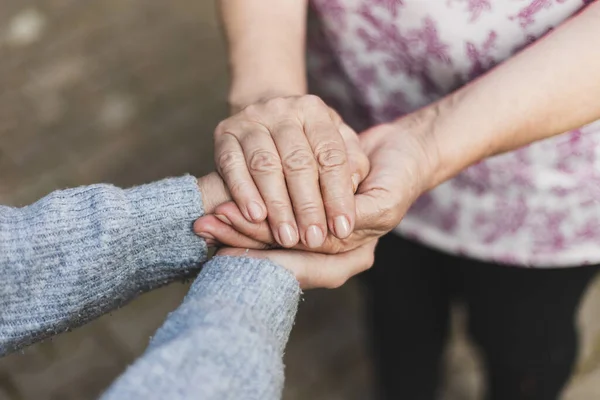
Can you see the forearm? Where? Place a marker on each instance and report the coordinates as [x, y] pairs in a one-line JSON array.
[[79, 253], [266, 48], [225, 341], [547, 89]]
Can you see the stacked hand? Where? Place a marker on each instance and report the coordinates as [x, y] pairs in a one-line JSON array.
[[312, 270], [402, 161]]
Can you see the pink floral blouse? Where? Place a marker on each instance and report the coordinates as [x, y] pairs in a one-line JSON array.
[[375, 60]]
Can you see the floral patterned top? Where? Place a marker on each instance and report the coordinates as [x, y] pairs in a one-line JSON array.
[[376, 60]]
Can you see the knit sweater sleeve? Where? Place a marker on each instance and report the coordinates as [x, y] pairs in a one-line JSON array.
[[79, 253], [224, 342]]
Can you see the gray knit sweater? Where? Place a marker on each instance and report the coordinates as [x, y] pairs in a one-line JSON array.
[[79, 253]]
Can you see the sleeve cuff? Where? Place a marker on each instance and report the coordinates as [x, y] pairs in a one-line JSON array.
[[164, 212], [270, 291]]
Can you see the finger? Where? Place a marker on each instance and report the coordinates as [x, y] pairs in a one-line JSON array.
[[230, 215], [265, 167], [214, 192], [314, 270], [302, 178], [334, 170], [212, 229], [231, 165], [358, 160]]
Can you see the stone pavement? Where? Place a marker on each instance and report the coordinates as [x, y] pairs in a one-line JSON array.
[[128, 91]]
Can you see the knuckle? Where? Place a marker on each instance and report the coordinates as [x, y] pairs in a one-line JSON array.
[[299, 160], [263, 161], [252, 110], [277, 103], [333, 246], [329, 156], [238, 187], [312, 100], [222, 127], [279, 207], [309, 208], [230, 160]]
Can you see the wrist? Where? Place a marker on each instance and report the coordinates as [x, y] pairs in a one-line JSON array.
[[444, 134], [417, 134], [213, 192], [241, 97]]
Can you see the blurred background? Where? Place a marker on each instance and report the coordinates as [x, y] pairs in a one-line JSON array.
[[129, 91]]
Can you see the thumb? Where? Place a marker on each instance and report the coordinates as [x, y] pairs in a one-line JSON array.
[[359, 162], [214, 192]]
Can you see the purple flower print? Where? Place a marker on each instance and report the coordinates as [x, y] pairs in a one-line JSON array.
[[475, 7], [411, 53], [423, 203], [547, 233], [394, 107], [391, 5], [589, 232], [576, 148], [508, 217], [445, 218], [480, 57], [526, 16], [477, 179]]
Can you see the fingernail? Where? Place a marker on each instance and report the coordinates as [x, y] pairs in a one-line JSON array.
[[287, 235], [314, 236], [210, 242], [255, 211], [206, 235], [355, 182], [223, 219], [341, 226]]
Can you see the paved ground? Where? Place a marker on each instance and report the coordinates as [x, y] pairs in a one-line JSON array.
[[127, 91]]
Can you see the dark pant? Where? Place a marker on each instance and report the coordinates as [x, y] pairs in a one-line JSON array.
[[522, 319]]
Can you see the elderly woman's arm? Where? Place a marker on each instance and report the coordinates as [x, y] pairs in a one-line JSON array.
[[79, 253], [549, 88]]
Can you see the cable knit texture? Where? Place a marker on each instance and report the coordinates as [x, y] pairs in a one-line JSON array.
[[224, 342], [80, 253]]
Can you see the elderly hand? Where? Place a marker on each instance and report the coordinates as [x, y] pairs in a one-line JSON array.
[[312, 270], [404, 164], [293, 161]]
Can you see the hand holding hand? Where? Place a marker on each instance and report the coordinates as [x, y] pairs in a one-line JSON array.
[[293, 161], [404, 162]]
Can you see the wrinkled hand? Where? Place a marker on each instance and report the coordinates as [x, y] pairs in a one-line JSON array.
[[293, 161], [403, 158], [314, 270]]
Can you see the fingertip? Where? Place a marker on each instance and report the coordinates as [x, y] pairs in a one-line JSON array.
[[198, 225], [256, 212], [341, 227], [314, 237], [287, 236]]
